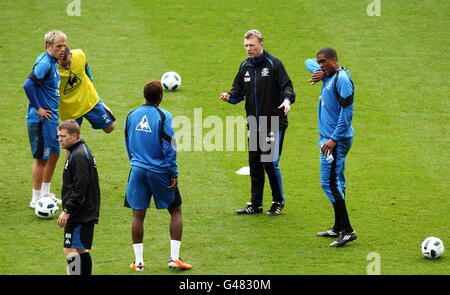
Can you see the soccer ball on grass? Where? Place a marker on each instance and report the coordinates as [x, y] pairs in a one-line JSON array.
[[171, 81], [432, 248], [46, 208]]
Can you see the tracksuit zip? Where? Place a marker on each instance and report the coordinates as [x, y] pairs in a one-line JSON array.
[[256, 101]]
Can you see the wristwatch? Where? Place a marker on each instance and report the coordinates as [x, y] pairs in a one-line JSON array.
[[65, 211]]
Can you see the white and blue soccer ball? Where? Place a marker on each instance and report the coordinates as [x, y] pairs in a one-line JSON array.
[[432, 248], [171, 81], [46, 208]]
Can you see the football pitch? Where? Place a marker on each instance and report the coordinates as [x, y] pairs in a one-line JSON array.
[[398, 175]]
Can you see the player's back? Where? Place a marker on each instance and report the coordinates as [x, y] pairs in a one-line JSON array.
[[143, 131]]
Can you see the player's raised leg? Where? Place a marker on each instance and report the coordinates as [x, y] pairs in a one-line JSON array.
[[111, 127]]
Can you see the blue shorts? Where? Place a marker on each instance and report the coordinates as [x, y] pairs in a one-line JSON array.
[[99, 117], [143, 184], [43, 138]]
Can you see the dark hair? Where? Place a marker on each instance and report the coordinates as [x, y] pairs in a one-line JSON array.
[[328, 52], [153, 92], [66, 53]]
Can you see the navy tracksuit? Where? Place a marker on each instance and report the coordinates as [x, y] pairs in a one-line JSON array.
[[264, 84]]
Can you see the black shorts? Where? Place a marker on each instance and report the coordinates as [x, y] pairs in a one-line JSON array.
[[78, 236]]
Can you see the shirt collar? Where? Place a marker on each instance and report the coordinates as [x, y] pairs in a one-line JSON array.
[[51, 57], [72, 147], [259, 58]]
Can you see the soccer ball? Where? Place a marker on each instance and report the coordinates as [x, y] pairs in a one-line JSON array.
[[46, 208], [171, 81], [432, 247]]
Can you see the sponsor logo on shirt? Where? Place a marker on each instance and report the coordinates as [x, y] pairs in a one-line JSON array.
[[144, 125], [247, 77], [72, 83]]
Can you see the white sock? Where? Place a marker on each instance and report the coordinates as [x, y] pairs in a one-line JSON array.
[[45, 189], [36, 194], [175, 249], [138, 253]]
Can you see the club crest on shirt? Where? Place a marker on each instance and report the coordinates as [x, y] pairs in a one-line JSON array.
[[265, 72]]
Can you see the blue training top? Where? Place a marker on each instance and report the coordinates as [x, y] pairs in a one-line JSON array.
[[335, 103], [41, 87], [149, 139]]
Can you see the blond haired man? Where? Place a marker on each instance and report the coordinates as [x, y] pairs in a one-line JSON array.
[[41, 88]]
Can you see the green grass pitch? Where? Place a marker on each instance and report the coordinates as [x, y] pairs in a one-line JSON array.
[[397, 171]]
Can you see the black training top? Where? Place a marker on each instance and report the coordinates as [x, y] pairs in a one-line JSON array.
[[264, 84], [81, 190]]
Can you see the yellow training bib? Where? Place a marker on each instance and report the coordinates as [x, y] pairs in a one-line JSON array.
[[77, 92]]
